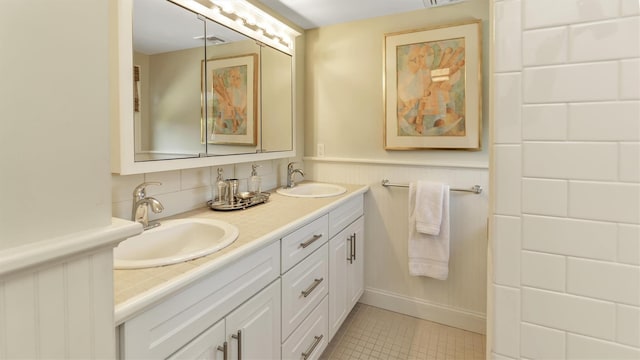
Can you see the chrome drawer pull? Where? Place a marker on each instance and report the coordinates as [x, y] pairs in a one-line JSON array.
[[224, 349], [310, 241], [315, 284], [316, 341]]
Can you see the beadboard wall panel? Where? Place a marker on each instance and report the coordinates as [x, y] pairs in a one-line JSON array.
[[60, 311], [458, 301]]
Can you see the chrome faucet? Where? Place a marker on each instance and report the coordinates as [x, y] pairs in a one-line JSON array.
[[142, 203], [291, 173]]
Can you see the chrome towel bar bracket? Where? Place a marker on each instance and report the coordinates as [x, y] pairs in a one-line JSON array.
[[476, 189]]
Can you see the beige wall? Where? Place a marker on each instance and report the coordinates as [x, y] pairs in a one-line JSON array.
[[344, 84], [344, 111], [54, 142]]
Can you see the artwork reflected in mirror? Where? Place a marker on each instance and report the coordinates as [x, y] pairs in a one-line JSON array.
[[231, 108]]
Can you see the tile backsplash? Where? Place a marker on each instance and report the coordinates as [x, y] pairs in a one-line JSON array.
[[185, 190]]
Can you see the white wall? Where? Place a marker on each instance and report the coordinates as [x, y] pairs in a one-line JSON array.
[[566, 169], [344, 91], [54, 181], [344, 111], [54, 109]]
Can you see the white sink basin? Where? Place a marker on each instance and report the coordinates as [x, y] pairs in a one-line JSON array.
[[313, 190], [172, 242]]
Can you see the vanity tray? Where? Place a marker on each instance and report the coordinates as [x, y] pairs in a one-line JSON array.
[[241, 203]]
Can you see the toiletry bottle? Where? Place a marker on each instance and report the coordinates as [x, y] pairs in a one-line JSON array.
[[221, 185], [255, 182]]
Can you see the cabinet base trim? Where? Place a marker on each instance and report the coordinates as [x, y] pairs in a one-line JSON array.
[[466, 320]]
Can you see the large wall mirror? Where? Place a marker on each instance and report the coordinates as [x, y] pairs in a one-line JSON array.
[[202, 90]]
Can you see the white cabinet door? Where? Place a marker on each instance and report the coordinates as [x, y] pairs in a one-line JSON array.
[[253, 329], [163, 329], [355, 275], [346, 273], [210, 345], [338, 253]]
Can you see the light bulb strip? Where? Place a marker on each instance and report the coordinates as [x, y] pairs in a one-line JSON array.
[[246, 18]]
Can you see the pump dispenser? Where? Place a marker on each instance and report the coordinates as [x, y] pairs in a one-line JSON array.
[[255, 181], [221, 185]]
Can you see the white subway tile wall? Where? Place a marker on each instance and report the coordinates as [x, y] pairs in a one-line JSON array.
[[540, 342], [557, 235], [593, 121], [508, 29], [544, 122], [508, 179], [616, 39], [544, 271], [569, 312], [568, 160], [629, 244], [629, 75], [544, 196], [507, 299], [567, 83], [582, 347], [628, 325], [567, 205], [506, 250], [507, 104], [547, 13], [546, 46]]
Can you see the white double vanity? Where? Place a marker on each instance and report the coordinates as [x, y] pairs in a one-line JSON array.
[[281, 290], [286, 284]]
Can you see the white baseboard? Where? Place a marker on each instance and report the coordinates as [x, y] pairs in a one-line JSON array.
[[462, 319]]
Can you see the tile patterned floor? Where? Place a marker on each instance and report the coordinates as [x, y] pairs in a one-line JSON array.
[[373, 333]]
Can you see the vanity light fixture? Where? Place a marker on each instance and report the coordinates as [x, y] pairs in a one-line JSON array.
[[434, 3], [246, 18]]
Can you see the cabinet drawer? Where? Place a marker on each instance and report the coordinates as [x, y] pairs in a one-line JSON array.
[[311, 338], [345, 215], [302, 242], [166, 327], [303, 287]]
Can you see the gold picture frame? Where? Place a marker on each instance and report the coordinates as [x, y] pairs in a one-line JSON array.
[[432, 88], [230, 93]]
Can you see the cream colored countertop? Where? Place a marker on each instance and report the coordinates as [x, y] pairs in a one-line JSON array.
[[261, 225]]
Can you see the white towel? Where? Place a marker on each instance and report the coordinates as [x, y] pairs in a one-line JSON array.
[[429, 241]]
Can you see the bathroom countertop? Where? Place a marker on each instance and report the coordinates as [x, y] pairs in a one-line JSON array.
[[261, 225]]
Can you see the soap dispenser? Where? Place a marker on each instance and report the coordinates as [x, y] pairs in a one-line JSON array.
[[221, 185], [255, 182]]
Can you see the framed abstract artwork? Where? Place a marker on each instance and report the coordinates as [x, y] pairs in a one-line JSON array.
[[230, 91], [432, 88]]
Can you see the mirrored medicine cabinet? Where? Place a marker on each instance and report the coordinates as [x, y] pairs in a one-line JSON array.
[[193, 92]]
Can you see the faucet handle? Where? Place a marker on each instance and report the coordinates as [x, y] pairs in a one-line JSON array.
[[290, 165], [139, 192]]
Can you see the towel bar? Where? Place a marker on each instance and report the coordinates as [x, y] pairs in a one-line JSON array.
[[476, 189]]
